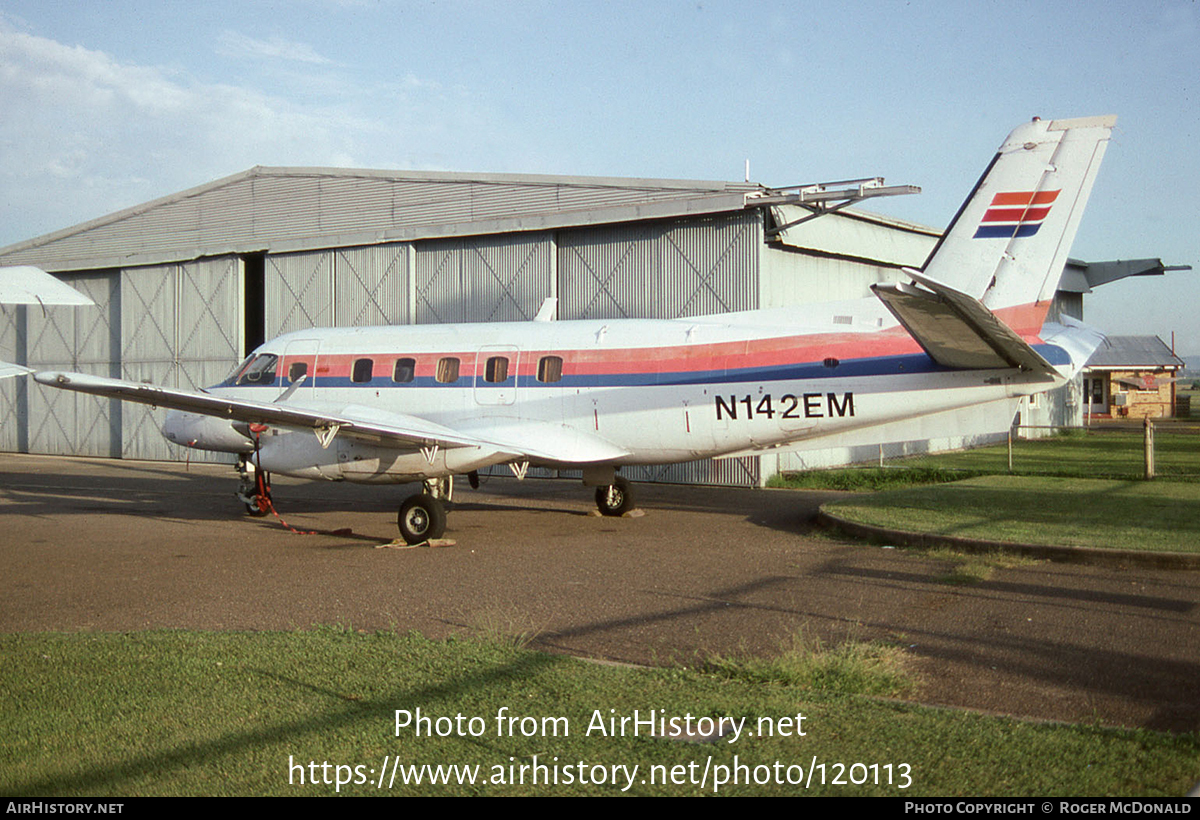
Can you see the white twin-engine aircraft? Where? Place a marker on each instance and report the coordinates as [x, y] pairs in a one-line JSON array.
[[961, 343]]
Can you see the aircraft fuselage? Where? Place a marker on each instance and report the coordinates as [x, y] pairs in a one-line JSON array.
[[612, 392]]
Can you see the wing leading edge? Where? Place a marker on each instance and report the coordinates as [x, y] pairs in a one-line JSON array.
[[391, 429]]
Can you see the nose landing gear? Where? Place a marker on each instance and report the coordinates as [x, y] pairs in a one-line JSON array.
[[254, 488]]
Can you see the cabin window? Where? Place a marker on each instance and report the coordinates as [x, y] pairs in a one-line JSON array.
[[297, 371], [362, 370], [260, 371], [404, 371], [549, 369], [447, 370], [496, 370]]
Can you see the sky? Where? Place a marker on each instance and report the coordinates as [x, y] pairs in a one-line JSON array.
[[131, 101]]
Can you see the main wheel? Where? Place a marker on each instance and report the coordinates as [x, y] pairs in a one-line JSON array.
[[421, 518], [616, 498]]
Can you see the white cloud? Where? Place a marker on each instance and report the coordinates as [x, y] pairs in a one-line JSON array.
[[236, 44], [84, 134]]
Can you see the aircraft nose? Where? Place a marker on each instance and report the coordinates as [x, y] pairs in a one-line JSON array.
[[204, 433]]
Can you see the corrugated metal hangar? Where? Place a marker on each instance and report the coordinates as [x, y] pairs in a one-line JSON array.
[[186, 285]]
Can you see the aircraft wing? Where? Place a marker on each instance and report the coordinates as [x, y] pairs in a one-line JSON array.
[[514, 439], [957, 330], [394, 428]]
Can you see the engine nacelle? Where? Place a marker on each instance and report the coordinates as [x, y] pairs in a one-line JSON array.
[[299, 453], [205, 433]]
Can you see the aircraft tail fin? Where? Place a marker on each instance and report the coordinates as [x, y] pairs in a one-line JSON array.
[[1008, 244]]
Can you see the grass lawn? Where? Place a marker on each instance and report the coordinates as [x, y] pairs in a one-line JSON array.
[[1102, 453], [185, 713], [1134, 515]]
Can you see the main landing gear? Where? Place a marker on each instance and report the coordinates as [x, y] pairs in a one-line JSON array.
[[422, 517], [615, 499]]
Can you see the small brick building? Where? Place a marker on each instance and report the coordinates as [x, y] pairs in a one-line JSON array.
[[1131, 377]]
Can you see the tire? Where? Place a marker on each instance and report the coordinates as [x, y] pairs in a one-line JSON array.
[[253, 508], [615, 499], [422, 518]]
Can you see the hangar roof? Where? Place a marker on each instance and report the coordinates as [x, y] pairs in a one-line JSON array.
[[282, 209]]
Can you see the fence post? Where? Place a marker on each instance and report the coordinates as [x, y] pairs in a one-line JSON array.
[[1149, 447], [1010, 450]]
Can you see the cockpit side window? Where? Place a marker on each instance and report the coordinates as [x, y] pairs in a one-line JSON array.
[[260, 371], [240, 369]]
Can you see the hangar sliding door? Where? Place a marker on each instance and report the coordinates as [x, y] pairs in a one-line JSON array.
[[12, 350], [347, 287], [659, 271], [180, 327], [483, 279], [85, 340]]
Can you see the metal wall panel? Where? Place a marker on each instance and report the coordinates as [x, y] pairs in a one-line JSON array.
[[85, 340], [371, 286], [298, 290], [482, 279], [727, 472]]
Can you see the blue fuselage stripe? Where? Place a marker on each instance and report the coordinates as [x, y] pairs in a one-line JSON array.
[[909, 364]]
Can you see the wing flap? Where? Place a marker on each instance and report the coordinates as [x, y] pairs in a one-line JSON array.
[[547, 442], [957, 330]]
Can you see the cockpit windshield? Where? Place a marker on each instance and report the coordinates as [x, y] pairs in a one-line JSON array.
[[259, 371]]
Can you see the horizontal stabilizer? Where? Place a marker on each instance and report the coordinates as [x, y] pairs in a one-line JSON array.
[[956, 330], [27, 285]]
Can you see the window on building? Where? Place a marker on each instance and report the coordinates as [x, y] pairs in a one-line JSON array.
[[549, 369], [362, 371], [404, 371], [496, 370], [447, 370]]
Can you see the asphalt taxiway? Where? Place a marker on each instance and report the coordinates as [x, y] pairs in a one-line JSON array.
[[127, 545]]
